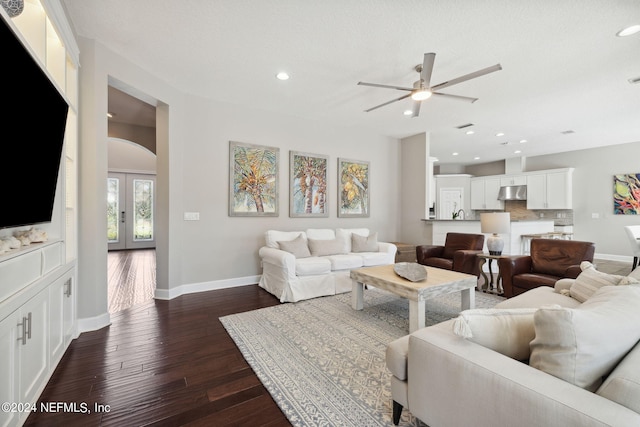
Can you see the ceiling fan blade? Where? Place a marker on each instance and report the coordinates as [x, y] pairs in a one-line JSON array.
[[469, 76], [458, 97], [427, 68], [415, 111], [385, 86], [388, 102]]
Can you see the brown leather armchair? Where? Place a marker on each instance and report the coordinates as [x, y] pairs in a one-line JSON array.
[[457, 254], [549, 261]]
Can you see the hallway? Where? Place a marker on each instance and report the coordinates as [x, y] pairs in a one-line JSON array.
[[131, 278]]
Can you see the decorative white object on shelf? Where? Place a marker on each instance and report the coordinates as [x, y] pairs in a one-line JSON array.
[[13, 242], [5, 246], [13, 7], [32, 235], [411, 271], [496, 223]]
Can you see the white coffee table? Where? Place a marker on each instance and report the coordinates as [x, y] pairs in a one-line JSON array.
[[438, 282]]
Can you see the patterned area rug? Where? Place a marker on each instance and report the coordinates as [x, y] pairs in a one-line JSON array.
[[324, 363]]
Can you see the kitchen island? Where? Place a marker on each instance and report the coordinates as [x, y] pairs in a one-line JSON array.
[[437, 230]]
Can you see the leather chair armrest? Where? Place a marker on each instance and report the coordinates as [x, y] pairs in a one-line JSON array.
[[573, 271], [428, 251], [466, 261], [511, 266]]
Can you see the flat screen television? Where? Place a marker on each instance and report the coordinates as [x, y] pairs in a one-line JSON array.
[[33, 121]]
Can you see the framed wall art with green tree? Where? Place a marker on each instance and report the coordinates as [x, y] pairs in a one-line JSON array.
[[253, 179], [308, 186], [353, 192]]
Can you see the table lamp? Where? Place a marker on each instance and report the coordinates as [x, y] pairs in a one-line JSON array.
[[495, 223]]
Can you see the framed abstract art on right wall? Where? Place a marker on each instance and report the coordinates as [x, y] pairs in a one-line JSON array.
[[626, 194]]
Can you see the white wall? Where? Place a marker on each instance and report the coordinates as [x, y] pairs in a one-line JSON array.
[[220, 247], [593, 193], [414, 188]]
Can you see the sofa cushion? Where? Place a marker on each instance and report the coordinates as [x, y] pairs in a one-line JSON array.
[[272, 237], [312, 266], [370, 259], [344, 262], [583, 344], [327, 247], [623, 384], [298, 246], [538, 297], [507, 331], [590, 280], [346, 234], [320, 233], [364, 243]]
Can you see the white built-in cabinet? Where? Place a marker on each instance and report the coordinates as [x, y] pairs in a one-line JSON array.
[[513, 180], [38, 282], [550, 189], [484, 193]]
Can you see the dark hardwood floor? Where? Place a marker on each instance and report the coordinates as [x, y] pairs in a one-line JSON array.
[[164, 363]]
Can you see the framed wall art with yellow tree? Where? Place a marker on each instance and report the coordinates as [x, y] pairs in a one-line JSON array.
[[253, 179], [353, 194], [308, 186]]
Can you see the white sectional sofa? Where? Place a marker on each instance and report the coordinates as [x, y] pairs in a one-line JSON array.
[[298, 265], [563, 356]]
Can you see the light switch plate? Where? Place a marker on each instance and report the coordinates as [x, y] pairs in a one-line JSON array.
[[192, 216]]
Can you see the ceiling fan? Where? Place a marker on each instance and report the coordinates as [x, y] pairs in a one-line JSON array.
[[422, 88]]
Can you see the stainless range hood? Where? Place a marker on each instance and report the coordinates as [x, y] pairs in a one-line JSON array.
[[513, 192]]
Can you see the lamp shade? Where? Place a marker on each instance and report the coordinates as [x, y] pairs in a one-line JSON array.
[[495, 222]]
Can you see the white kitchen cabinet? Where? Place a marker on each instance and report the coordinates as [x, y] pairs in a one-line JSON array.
[[550, 190], [513, 180], [8, 370], [484, 194], [62, 312]]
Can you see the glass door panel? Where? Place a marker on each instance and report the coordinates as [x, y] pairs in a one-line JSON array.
[[130, 211]]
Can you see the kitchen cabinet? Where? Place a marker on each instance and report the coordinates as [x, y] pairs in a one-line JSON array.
[[550, 190], [513, 180], [484, 194]]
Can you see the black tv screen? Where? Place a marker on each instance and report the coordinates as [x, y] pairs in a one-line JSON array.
[[33, 121]]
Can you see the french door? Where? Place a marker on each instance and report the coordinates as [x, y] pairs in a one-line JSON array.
[[130, 211]]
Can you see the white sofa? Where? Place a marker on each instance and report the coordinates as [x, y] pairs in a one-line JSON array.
[[317, 261], [445, 379]]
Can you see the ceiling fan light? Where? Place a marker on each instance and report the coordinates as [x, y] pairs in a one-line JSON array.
[[628, 31], [421, 95]]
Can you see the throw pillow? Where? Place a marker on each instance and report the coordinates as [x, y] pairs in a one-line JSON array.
[[326, 247], [364, 244], [507, 331], [590, 280], [298, 247], [583, 344]]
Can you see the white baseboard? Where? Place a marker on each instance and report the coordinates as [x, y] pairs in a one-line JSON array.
[[167, 294], [611, 257], [92, 323]]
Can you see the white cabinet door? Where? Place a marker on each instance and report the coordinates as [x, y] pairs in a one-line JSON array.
[[536, 191], [62, 310], [559, 190], [513, 180], [477, 194], [8, 344], [33, 346], [491, 190]]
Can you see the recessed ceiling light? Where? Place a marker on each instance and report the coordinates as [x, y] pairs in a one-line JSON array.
[[282, 76], [522, 141], [407, 112], [476, 158], [454, 154], [470, 132], [517, 152], [110, 115], [628, 31], [500, 134]]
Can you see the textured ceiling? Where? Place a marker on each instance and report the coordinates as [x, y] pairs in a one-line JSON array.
[[563, 66]]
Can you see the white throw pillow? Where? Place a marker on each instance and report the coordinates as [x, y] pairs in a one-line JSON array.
[[507, 331], [298, 247], [590, 280], [272, 237], [327, 247], [364, 244], [583, 344]]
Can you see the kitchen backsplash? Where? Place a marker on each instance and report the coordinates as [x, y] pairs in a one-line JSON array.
[[518, 210]]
